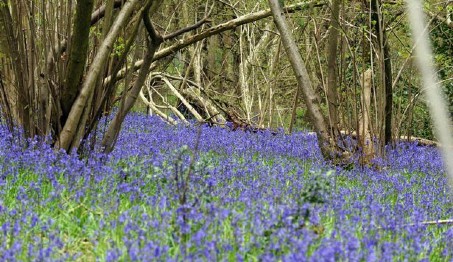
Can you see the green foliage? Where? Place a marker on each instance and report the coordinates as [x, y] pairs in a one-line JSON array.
[[302, 121], [119, 47], [442, 39]]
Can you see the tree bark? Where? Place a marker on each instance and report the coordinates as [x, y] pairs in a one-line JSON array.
[[5, 108]]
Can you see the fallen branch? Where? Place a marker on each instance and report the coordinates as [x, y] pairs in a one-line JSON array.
[[182, 99], [204, 103], [426, 223], [156, 110], [419, 140]]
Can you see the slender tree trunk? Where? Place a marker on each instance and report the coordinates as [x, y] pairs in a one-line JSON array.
[[326, 143], [332, 68], [294, 111], [364, 135], [384, 49], [5, 108], [388, 95]]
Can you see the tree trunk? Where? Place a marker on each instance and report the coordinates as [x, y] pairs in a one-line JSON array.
[[73, 122], [364, 135], [332, 93], [5, 108], [386, 65], [326, 143], [78, 54]]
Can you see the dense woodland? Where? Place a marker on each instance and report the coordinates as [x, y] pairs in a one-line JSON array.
[[66, 64], [280, 130]]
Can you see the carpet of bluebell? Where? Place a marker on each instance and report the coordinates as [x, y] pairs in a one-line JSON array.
[[183, 193]]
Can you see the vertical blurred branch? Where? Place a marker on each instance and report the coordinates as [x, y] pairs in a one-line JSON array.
[[436, 103]]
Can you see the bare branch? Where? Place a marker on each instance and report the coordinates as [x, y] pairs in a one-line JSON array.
[[99, 13], [441, 19], [189, 28], [229, 25]]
